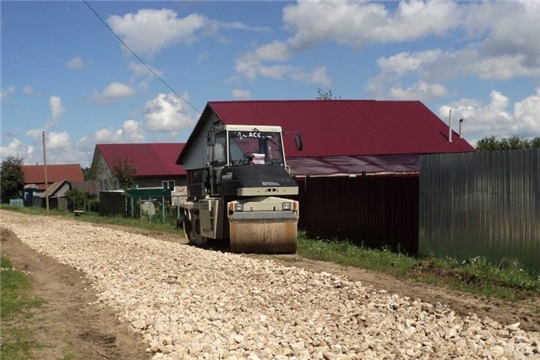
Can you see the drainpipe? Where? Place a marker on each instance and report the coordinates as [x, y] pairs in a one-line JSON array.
[[450, 125]]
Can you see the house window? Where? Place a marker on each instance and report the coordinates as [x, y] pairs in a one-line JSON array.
[[168, 184]]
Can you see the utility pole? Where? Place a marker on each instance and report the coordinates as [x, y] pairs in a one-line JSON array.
[[45, 169]]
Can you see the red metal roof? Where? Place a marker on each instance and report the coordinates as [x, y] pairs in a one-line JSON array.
[[355, 164], [35, 174], [155, 159], [347, 127]]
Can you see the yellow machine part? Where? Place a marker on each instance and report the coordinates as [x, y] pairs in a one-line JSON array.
[[276, 236]]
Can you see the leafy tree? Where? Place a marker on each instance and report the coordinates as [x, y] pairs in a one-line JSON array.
[[12, 179], [515, 142], [87, 173], [76, 198], [325, 95], [124, 173]]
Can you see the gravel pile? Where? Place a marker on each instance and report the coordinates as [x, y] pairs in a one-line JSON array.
[[189, 303]]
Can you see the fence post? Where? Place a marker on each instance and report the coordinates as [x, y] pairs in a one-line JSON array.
[[163, 209]]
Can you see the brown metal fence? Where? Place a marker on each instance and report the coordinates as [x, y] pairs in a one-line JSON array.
[[371, 211], [112, 203]]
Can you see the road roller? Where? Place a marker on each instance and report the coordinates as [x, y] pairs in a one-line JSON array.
[[245, 194]]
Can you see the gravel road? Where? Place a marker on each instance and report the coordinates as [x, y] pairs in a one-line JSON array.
[[189, 303]]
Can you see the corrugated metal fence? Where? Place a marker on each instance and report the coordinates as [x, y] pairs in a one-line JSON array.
[[482, 204], [373, 211]]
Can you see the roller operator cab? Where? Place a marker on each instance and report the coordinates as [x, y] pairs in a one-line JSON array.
[[241, 195]]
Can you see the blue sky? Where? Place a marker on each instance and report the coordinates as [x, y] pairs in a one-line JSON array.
[[64, 72]]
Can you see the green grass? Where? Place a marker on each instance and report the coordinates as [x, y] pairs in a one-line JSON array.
[[475, 276], [348, 254], [16, 308]]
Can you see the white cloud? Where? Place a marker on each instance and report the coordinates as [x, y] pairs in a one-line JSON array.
[[419, 91], [496, 118], [502, 38], [167, 112], [58, 140], [35, 134], [16, 149], [241, 94], [7, 91], [131, 132], [405, 62], [502, 45], [76, 63], [358, 23], [528, 113], [149, 30], [253, 68], [113, 91], [57, 111]]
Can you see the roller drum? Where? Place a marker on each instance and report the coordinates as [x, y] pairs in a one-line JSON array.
[[276, 234]]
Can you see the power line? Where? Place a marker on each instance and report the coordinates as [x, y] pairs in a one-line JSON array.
[[138, 57]]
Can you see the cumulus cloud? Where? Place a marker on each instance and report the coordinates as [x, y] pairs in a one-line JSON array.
[[75, 63], [502, 45], [132, 131], [112, 92], [349, 23], [167, 112], [418, 91], [241, 94], [59, 146], [497, 118], [57, 110], [16, 149], [7, 91], [250, 68], [501, 35], [358, 23], [149, 30], [58, 140]]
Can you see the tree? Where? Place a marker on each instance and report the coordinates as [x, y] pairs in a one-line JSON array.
[[325, 95], [76, 198], [515, 142], [124, 173], [87, 173], [12, 179]]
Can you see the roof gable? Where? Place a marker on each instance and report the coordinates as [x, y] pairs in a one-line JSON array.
[[343, 127], [35, 174], [154, 159]]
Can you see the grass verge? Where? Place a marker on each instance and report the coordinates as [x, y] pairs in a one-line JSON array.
[[17, 339], [475, 276]]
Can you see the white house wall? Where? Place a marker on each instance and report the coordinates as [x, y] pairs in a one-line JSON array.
[[103, 174], [196, 156]]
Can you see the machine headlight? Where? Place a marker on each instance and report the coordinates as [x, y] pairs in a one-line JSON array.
[[286, 206], [238, 207]]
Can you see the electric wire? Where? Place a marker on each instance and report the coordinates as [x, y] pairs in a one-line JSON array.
[[139, 58]]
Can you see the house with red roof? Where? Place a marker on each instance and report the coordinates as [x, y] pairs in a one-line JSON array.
[[340, 137], [374, 145], [50, 181], [34, 175], [154, 164]]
